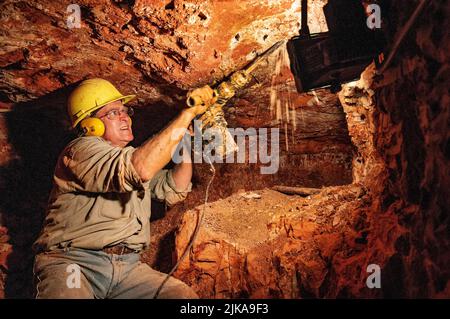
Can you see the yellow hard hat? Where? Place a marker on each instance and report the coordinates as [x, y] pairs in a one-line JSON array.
[[91, 95]]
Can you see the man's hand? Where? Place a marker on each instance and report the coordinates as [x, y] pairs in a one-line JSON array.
[[201, 99]]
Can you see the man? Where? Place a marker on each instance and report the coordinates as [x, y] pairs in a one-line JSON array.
[[98, 217]]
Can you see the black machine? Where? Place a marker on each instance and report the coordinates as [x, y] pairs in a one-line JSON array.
[[338, 56]]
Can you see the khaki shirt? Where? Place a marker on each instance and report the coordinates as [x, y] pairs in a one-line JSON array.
[[99, 200]]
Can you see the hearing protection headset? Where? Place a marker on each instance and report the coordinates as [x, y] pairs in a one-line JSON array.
[[92, 126]]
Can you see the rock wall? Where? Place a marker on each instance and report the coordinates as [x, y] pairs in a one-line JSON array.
[[412, 136]]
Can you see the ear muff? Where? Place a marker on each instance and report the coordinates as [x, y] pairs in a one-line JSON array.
[[92, 126]]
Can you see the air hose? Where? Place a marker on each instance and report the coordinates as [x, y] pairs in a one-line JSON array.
[[195, 233]]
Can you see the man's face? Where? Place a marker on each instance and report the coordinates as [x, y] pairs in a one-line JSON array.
[[117, 123]]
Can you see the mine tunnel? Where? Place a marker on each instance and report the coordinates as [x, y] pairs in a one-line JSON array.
[[360, 185]]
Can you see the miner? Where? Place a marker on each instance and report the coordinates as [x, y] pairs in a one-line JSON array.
[[98, 215]]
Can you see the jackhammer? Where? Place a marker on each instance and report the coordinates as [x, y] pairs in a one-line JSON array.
[[214, 118]]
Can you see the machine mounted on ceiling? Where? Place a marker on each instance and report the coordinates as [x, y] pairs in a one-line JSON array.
[[338, 56]]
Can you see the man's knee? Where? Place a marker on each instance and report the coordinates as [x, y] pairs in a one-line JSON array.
[[176, 289]]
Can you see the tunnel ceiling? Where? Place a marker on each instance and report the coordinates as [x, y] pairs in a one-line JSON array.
[[154, 48]]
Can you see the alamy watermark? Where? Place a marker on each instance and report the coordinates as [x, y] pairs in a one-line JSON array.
[[74, 278], [74, 16], [374, 279], [209, 145], [374, 16]]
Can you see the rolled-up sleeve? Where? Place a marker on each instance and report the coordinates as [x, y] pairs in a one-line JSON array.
[[93, 165], [163, 188]]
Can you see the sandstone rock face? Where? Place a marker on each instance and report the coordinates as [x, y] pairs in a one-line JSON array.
[[145, 47]]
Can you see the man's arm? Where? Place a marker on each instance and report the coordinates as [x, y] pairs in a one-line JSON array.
[[182, 173], [156, 152]]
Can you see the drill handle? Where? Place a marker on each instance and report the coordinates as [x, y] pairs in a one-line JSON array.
[[195, 100]]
